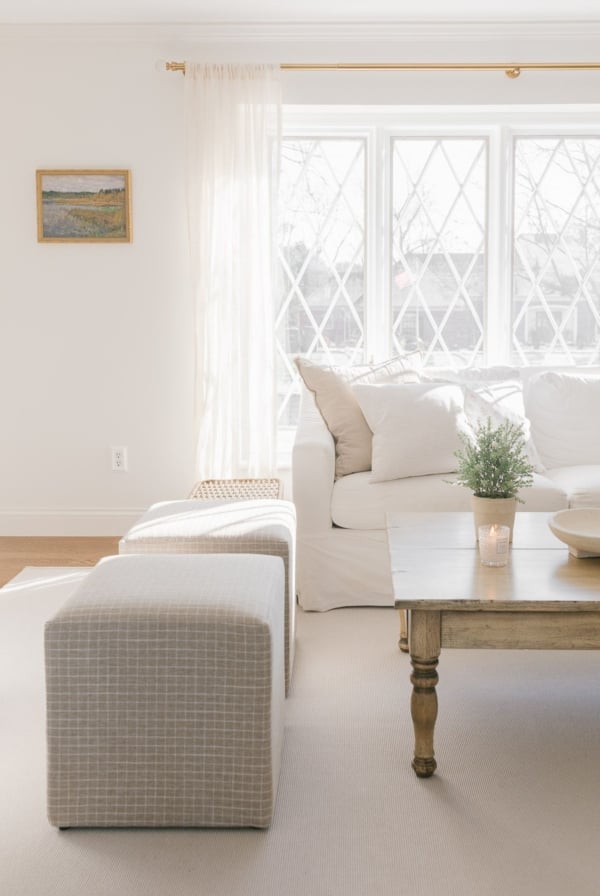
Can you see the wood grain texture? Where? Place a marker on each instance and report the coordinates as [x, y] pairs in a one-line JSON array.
[[455, 529], [542, 599], [424, 653], [16, 552], [522, 630], [435, 562]]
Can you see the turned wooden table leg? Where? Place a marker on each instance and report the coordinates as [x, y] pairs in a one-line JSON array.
[[424, 654], [403, 640]]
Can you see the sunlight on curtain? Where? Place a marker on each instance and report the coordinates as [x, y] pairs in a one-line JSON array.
[[233, 125]]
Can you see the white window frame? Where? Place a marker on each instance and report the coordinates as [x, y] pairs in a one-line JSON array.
[[499, 125]]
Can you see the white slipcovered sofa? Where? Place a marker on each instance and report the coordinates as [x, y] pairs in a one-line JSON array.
[[414, 416]]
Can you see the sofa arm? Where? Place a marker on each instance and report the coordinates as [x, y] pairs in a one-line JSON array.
[[313, 470]]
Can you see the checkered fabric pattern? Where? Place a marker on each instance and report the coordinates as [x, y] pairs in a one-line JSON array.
[[164, 680], [260, 526]]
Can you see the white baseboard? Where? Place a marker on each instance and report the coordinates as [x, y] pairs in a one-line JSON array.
[[68, 522]]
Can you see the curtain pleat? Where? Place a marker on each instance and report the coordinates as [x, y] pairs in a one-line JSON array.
[[233, 127]]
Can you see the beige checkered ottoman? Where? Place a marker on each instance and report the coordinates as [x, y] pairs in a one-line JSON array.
[[164, 680], [255, 526]]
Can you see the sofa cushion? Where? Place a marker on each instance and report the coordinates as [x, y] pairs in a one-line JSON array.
[[581, 483], [358, 503], [416, 428], [564, 410], [332, 389]]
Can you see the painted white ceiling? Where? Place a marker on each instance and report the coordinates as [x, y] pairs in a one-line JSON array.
[[290, 11]]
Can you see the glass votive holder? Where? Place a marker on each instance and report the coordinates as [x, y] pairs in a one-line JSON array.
[[493, 544]]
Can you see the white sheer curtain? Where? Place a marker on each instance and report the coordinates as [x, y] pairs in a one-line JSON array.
[[233, 124]]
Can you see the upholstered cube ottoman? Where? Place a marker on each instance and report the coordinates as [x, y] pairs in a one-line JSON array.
[[259, 526], [164, 679]]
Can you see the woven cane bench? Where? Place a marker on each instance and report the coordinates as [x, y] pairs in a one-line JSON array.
[[237, 489], [223, 526], [164, 679]]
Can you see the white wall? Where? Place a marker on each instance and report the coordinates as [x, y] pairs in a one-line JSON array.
[[96, 342]]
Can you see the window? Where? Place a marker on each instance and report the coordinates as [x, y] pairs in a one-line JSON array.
[[438, 248], [322, 259], [473, 235], [556, 271]]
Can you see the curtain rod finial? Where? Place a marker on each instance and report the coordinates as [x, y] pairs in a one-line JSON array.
[[175, 67]]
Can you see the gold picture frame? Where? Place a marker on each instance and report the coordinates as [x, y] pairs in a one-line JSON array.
[[86, 205]]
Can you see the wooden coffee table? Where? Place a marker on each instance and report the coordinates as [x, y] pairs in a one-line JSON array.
[[543, 599]]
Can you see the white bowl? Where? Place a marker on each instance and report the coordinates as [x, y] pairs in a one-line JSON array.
[[579, 529]]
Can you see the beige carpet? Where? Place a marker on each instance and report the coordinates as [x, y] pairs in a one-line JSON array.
[[514, 808]]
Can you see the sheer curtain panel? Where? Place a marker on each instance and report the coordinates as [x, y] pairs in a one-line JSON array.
[[233, 126]]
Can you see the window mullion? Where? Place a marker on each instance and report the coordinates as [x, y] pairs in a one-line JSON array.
[[377, 312], [499, 236]]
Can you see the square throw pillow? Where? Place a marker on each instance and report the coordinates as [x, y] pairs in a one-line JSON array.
[[494, 393], [332, 388], [499, 403], [416, 428], [564, 410]]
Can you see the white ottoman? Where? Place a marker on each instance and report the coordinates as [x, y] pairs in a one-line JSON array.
[[164, 680], [259, 526]]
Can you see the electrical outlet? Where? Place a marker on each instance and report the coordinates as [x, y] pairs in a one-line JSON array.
[[119, 459]]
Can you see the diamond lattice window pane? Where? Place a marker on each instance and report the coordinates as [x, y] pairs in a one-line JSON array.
[[438, 248], [556, 270], [321, 244]]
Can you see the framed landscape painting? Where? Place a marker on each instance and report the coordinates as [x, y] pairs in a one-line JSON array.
[[84, 206]]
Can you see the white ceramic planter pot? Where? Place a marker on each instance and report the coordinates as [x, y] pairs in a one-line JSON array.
[[493, 510]]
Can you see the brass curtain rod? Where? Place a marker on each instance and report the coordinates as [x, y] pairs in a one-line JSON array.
[[511, 70]]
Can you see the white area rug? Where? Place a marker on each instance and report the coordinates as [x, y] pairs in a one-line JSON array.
[[513, 809]]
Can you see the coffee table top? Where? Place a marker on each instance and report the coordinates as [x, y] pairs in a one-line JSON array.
[[435, 564]]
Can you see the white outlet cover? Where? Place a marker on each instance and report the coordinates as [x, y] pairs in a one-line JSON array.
[[119, 459]]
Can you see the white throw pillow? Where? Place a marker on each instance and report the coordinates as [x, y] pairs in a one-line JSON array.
[[332, 388], [416, 428], [564, 410], [500, 403], [494, 393]]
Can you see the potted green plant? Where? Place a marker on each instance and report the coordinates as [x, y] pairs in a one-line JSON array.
[[494, 466]]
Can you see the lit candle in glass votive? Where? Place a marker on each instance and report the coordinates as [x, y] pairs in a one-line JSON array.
[[493, 544]]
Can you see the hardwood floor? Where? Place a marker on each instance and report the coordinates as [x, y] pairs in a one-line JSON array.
[[17, 552]]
